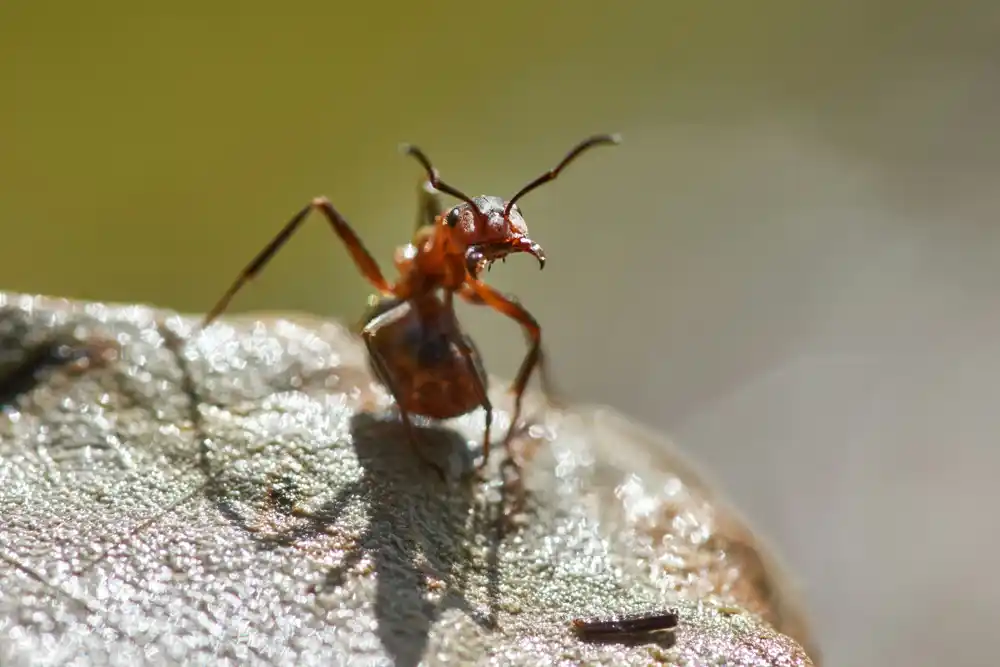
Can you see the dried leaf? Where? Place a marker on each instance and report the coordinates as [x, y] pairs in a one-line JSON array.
[[246, 495]]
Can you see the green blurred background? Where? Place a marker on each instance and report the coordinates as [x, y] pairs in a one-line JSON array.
[[789, 264]]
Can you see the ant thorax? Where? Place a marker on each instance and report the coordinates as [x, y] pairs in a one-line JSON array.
[[434, 258], [405, 254], [421, 244]]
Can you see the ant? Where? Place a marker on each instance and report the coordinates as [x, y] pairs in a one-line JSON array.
[[416, 347]]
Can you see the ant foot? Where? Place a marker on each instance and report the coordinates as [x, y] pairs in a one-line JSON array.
[[514, 491], [510, 464]]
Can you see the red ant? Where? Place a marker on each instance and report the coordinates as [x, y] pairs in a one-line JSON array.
[[416, 347]]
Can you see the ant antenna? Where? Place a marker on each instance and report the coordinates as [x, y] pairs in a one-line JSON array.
[[435, 177], [551, 174]]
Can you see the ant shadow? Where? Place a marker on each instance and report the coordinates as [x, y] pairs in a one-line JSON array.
[[419, 533], [417, 536]]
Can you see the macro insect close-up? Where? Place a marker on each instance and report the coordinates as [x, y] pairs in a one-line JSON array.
[[273, 392], [416, 347]]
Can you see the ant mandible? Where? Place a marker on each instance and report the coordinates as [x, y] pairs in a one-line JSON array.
[[416, 347]]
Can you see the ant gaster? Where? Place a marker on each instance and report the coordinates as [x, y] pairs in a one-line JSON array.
[[416, 347]]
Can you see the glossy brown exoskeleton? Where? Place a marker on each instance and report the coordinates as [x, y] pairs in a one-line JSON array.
[[416, 347]]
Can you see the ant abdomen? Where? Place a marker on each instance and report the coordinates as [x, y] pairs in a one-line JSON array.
[[417, 351]]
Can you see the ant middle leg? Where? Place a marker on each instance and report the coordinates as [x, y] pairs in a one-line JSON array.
[[475, 367], [471, 356], [362, 258]]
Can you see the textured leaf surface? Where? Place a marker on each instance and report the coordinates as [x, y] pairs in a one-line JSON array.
[[246, 495]]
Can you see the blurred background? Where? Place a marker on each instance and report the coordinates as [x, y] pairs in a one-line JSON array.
[[792, 264]]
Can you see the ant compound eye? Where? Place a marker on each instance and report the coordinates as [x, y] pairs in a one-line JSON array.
[[453, 216]]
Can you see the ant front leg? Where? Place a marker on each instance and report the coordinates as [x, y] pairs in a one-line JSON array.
[[494, 299], [362, 258], [549, 389], [368, 334]]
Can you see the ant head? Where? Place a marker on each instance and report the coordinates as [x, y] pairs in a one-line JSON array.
[[490, 229], [487, 228]]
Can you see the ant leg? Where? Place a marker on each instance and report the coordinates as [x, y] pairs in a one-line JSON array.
[[549, 389], [494, 299], [465, 345], [471, 356], [366, 264], [368, 334], [429, 204]]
